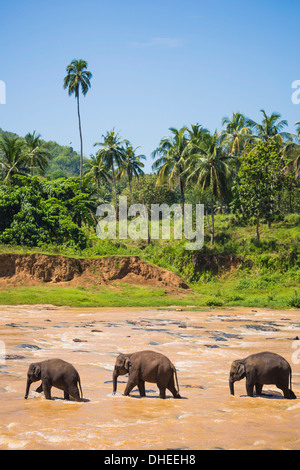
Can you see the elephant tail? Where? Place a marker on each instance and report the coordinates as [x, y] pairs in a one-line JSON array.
[[79, 383], [177, 384]]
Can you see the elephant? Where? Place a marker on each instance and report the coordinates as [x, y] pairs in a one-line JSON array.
[[146, 366], [56, 373], [262, 368]]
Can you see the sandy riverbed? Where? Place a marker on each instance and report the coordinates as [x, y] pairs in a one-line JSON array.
[[202, 345]]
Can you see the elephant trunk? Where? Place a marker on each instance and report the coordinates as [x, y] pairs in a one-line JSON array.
[[231, 386], [115, 376], [27, 388]]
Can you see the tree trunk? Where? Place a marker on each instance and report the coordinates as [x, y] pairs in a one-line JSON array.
[[182, 195], [212, 230], [130, 188], [146, 217], [115, 189], [80, 134], [238, 183], [257, 230], [207, 218]]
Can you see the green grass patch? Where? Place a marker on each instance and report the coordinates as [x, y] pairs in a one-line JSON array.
[[214, 294]]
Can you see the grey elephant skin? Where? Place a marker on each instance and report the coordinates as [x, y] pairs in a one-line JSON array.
[[262, 369], [55, 373], [146, 366]]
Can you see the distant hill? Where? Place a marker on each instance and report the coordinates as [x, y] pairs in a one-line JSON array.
[[64, 161]]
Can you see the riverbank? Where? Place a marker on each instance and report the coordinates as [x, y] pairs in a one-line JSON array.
[[236, 271], [222, 292]]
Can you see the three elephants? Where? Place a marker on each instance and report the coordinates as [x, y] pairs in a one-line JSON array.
[[149, 366]]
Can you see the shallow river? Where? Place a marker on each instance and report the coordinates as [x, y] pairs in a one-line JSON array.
[[201, 344]]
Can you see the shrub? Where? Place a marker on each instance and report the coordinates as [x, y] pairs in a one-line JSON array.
[[294, 301]]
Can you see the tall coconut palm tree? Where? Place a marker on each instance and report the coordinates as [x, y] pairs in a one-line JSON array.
[[37, 156], [236, 132], [271, 127], [235, 135], [208, 168], [171, 161], [78, 78], [13, 159], [197, 133], [111, 153], [132, 165]]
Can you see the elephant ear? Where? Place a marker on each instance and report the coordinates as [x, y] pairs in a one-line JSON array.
[[127, 363], [241, 369], [37, 371]]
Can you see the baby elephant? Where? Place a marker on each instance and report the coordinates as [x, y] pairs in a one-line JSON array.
[[262, 368], [54, 373], [146, 366]]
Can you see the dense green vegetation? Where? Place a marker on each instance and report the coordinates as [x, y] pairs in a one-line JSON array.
[[246, 175]]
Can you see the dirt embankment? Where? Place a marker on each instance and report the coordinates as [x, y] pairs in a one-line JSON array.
[[37, 268], [217, 264]]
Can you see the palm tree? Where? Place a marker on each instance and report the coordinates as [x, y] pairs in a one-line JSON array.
[[96, 170], [292, 152], [197, 133], [236, 132], [112, 155], [131, 165], [208, 168], [271, 127], [13, 160], [78, 78], [171, 161], [37, 156]]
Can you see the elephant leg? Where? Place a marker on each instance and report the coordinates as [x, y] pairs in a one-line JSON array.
[[130, 385], [47, 388], [39, 389], [162, 392], [172, 388], [292, 395], [141, 387], [74, 392], [284, 386], [162, 385], [66, 396], [258, 389], [285, 389], [249, 388]]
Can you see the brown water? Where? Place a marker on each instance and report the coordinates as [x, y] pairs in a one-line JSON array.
[[202, 345]]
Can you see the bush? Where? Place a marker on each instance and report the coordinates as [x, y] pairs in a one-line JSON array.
[[294, 301], [30, 215], [292, 219]]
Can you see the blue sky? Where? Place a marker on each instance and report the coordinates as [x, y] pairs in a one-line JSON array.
[[155, 64]]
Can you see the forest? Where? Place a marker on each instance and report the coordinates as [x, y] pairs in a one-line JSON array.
[[248, 169], [246, 175]]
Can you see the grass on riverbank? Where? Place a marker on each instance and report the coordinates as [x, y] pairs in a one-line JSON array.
[[219, 293]]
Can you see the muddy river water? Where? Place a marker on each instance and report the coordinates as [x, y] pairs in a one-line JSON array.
[[201, 344]]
